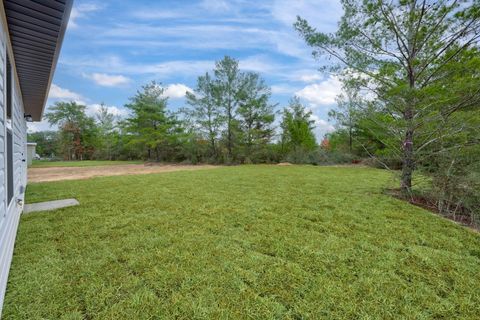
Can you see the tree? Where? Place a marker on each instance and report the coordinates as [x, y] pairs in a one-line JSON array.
[[228, 85], [255, 113], [297, 127], [78, 131], [346, 114], [231, 109], [205, 112], [151, 126], [106, 122], [402, 52], [47, 142]]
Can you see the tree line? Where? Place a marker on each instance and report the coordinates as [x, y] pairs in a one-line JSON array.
[[228, 118]]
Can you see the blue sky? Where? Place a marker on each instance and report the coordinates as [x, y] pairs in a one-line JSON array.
[[111, 48]]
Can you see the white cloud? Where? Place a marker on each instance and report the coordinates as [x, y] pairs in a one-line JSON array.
[[94, 108], [283, 89], [108, 80], [322, 127], [311, 77], [322, 14], [81, 11], [55, 94], [39, 126], [91, 110], [259, 63], [215, 5], [323, 93], [289, 43], [158, 14], [175, 68], [204, 36], [59, 93], [176, 91]]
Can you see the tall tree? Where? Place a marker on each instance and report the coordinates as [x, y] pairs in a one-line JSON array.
[[346, 114], [231, 107], [205, 112], [78, 131], [402, 51], [228, 86], [297, 127], [256, 114], [106, 122], [150, 125]]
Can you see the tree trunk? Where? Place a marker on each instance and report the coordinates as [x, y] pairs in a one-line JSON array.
[[212, 143], [350, 142], [229, 137], [229, 127], [408, 163]]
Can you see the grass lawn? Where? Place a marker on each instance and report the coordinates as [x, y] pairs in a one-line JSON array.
[[83, 163], [248, 242]]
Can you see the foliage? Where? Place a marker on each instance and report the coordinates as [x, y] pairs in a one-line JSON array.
[[232, 112], [297, 135], [256, 117], [412, 56], [347, 116], [47, 142], [205, 115], [151, 127], [228, 87], [77, 130], [453, 163], [107, 134]]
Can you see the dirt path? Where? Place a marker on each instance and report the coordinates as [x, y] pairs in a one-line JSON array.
[[73, 173]]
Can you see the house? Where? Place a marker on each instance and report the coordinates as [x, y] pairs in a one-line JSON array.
[[31, 35]]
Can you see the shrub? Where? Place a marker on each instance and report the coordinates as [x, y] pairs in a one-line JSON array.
[[319, 156]]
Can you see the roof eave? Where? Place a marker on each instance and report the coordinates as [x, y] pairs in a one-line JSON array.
[[63, 29]]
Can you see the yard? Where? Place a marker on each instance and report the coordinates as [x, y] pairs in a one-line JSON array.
[[256, 242]]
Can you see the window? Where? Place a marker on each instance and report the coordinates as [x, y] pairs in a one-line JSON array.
[[9, 91], [9, 155], [9, 167]]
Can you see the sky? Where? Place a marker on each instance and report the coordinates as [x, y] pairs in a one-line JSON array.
[[112, 48]]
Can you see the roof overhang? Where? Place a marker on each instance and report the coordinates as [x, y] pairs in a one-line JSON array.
[[36, 30]]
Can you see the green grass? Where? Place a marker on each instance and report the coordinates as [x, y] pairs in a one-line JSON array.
[[84, 163], [249, 242]]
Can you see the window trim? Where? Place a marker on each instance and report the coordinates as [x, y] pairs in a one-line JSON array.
[[9, 129]]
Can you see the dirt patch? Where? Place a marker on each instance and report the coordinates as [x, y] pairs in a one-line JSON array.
[[74, 173]]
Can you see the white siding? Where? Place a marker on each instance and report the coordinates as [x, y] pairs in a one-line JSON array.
[[3, 195], [9, 216]]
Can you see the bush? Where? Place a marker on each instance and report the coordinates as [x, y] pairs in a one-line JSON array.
[[319, 157], [383, 163], [456, 191]]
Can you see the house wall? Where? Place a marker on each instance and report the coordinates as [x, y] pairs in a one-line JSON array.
[[10, 215]]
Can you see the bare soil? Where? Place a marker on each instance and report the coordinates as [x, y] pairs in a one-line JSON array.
[[74, 173]]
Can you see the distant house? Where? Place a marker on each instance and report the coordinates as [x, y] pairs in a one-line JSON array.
[[31, 35]]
